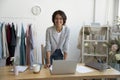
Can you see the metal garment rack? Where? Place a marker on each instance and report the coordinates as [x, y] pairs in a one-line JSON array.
[[30, 18], [18, 19]]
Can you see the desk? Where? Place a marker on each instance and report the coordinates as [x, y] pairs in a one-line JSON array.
[[44, 74]]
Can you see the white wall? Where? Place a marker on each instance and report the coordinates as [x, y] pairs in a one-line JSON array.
[[78, 12]]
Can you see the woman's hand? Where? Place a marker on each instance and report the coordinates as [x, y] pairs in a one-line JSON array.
[[65, 56], [47, 65]]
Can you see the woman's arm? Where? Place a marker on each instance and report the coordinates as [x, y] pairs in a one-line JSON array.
[[66, 43], [48, 48], [48, 58]]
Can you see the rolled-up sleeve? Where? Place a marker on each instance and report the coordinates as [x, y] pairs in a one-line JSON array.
[[48, 45], [66, 44]]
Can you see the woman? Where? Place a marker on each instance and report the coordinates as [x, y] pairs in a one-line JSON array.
[[57, 38]]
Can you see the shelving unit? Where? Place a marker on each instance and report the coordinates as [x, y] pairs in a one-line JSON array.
[[93, 43]]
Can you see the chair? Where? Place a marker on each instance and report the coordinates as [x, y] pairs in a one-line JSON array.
[[43, 54]]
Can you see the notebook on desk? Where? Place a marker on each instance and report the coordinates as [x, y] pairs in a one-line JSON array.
[[63, 67]]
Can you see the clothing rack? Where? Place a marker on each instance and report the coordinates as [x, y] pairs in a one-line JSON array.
[[30, 18], [18, 19]]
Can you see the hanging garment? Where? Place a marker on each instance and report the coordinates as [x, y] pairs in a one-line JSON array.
[[8, 33], [11, 40], [29, 46], [17, 48], [8, 36], [1, 40], [4, 41], [22, 48], [13, 34]]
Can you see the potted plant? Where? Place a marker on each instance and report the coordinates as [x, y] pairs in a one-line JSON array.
[[114, 53]]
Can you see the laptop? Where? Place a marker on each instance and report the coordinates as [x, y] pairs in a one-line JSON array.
[[97, 65], [63, 67]]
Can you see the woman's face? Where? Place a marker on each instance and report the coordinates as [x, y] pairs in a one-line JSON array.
[[58, 20]]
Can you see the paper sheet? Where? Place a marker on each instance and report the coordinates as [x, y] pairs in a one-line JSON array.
[[83, 69], [51, 67], [22, 68]]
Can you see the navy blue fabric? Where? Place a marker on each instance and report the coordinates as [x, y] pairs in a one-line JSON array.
[[57, 55]]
